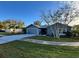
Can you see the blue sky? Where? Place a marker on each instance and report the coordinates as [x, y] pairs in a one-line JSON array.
[[27, 11]]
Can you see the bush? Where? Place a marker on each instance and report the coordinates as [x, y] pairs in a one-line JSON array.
[[75, 33], [24, 30], [68, 34]]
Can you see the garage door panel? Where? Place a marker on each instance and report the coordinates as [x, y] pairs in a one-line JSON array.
[[32, 31]]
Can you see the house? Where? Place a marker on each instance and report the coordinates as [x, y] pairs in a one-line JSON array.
[[38, 30], [14, 30], [58, 29]]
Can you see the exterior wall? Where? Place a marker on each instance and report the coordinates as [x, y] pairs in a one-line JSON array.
[[18, 30], [49, 29], [57, 29], [14, 30], [33, 30], [7, 30]]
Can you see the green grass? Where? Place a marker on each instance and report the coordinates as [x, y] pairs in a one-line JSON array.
[[47, 38], [20, 49], [6, 33]]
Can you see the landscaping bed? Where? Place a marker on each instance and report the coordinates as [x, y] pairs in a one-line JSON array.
[[20, 49], [48, 38]]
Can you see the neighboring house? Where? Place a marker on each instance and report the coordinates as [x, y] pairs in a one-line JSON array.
[[58, 29], [38, 30], [14, 30]]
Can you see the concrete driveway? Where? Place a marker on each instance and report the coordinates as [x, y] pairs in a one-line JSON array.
[[6, 39], [52, 42]]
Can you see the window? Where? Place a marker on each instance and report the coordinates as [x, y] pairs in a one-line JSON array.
[[60, 30]]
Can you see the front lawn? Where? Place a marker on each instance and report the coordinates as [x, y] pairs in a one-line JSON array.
[[7, 33], [32, 50], [47, 38]]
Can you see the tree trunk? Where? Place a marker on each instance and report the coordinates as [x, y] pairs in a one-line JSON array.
[[57, 31]]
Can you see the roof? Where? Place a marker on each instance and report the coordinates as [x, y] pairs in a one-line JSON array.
[[43, 26], [33, 25], [59, 24]]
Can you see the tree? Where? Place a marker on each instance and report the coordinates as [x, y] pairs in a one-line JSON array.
[[20, 24], [63, 15], [1, 25], [75, 30], [70, 11], [37, 22], [11, 23]]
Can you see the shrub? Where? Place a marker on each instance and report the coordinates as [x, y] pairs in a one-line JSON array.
[[68, 34]]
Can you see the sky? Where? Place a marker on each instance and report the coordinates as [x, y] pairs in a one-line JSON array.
[[26, 11]]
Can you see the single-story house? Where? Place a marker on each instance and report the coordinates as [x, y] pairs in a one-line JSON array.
[[55, 29], [38, 30], [58, 29]]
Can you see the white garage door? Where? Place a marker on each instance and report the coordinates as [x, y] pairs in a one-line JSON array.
[[32, 31]]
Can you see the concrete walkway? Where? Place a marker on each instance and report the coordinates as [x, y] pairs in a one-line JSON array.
[[6, 39], [52, 43]]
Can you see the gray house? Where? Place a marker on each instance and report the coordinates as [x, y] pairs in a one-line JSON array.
[[57, 29]]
